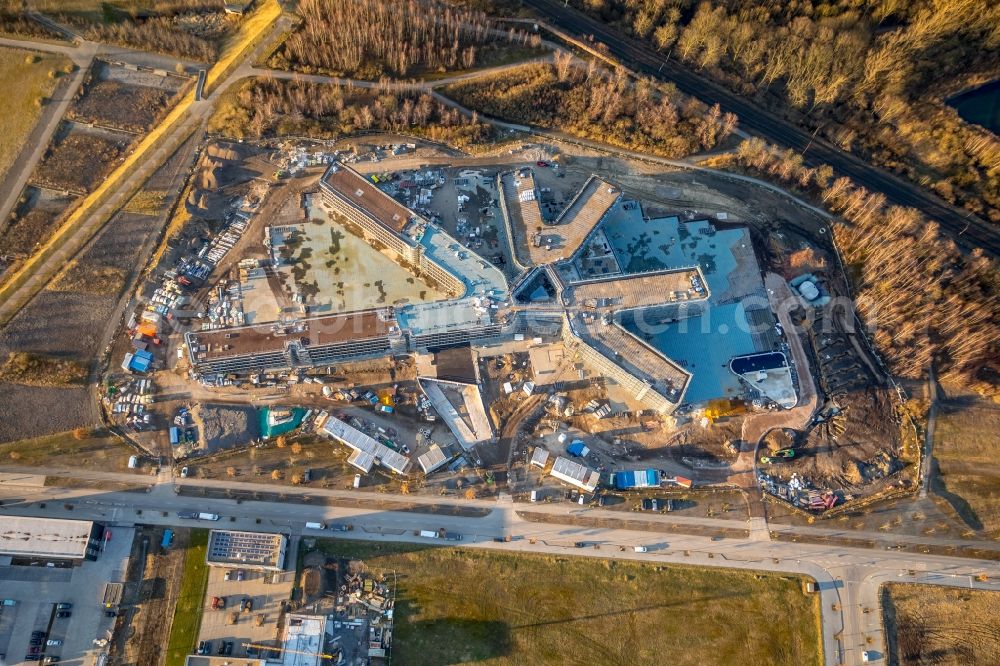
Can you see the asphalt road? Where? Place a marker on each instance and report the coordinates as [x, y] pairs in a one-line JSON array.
[[848, 579], [967, 230]]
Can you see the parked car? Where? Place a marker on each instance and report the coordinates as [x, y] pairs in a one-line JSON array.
[[247, 605], [240, 574], [65, 605], [53, 642], [229, 574], [62, 614]]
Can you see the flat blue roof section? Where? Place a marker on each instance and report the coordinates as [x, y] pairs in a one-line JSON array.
[[704, 342], [664, 242], [703, 345]]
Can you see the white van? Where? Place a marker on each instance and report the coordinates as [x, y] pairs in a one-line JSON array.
[[357, 480], [641, 549], [534, 495], [315, 526]]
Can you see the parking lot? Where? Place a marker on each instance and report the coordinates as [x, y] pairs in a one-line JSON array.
[[266, 592], [35, 591]]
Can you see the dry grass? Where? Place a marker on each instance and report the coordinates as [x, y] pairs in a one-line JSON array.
[[964, 457], [79, 162], [121, 105], [41, 370], [942, 626], [459, 606], [95, 450], [146, 202], [90, 278], [25, 79]]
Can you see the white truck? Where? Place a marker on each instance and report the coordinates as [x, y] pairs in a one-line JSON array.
[[208, 516], [429, 534]]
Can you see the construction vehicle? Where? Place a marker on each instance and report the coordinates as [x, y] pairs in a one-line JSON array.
[[778, 456]]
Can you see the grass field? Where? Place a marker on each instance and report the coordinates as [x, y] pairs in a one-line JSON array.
[[964, 457], [941, 626], [458, 606], [25, 79], [190, 600], [42, 370], [94, 450]]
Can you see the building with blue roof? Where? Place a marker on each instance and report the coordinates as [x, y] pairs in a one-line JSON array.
[[633, 479], [702, 338]]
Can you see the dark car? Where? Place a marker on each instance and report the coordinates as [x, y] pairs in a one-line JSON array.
[[64, 613], [227, 648], [66, 605]]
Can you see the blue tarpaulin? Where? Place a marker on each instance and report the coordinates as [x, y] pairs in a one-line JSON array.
[[645, 478]]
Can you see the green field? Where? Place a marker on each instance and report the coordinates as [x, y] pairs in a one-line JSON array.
[[190, 600], [458, 606], [964, 459], [25, 79]]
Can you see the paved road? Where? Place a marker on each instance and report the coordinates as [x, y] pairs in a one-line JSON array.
[[965, 228], [848, 578], [40, 136]]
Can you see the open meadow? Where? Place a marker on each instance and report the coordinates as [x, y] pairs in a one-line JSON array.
[[458, 606], [26, 77], [963, 466], [946, 627]]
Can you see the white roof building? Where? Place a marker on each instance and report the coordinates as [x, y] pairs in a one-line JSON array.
[[50, 538], [367, 451], [432, 460], [539, 457], [575, 474]]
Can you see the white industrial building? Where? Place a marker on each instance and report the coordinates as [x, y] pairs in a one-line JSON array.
[[367, 450], [263, 551], [575, 474], [49, 539]]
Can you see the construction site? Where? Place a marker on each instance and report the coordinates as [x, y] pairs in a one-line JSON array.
[[437, 322]]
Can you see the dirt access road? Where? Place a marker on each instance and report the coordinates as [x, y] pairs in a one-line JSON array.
[[52, 114], [188, 117], [755, 426]]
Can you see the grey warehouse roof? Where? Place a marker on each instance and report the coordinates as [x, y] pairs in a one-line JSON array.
[[44, 537]]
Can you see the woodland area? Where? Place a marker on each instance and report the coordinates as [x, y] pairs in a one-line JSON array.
[[188, 29], [371, 38], [923, 299], [276, 107], [869, 75], [596, 103]]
